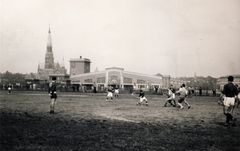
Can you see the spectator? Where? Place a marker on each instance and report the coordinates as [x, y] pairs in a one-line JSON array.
[[200, 91], [214, 91]]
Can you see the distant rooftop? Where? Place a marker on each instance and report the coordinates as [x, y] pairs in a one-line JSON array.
[[80, 59]]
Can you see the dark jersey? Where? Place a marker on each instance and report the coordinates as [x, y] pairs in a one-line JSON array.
[[173, 90], [230, 90], [110, 89], [141, 94], [52, 90]]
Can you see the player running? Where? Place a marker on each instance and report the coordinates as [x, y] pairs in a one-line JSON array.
[[116, 91], [171, 97], [110, 93], [183, 93], [142, 98]]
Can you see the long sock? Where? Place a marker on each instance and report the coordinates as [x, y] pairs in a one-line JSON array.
[[229, 117], [180, 105], [165, 103], [174, 102]]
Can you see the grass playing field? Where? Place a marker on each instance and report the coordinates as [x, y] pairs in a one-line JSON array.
[[85, 121]]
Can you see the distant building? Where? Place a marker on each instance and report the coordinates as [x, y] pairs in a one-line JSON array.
[[224, 80], [79, 66], [114, 76], [48, 70], [177, 82]]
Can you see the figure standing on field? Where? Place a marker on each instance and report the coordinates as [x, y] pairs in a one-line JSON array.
[[142, 98], [214, 92], [183, 93], [53, 94], [230, 91], [9, 88], [200, 91]]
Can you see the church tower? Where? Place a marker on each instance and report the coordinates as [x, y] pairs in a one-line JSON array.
[[49, 59]]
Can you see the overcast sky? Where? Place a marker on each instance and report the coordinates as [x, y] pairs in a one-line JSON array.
[[170, 37]]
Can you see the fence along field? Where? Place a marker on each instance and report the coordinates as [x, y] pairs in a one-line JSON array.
[[86, 121]]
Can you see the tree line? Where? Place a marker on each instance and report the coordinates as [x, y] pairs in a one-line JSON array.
[[206, 83]]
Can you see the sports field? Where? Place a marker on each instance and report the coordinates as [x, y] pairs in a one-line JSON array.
[[85, 121]]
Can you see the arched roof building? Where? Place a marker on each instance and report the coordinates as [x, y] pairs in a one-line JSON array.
[[118, 76]]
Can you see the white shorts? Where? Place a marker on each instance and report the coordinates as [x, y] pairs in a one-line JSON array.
[[116, 91], [142, 99], [229, 101], [109, 94]]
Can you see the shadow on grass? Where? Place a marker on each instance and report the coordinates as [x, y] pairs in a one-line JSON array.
[[23, 131]]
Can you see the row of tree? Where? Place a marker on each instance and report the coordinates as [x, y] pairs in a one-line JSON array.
[[12, 78], [206, 83]]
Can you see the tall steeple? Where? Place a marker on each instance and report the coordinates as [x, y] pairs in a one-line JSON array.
[[49, 42], [49, 59]]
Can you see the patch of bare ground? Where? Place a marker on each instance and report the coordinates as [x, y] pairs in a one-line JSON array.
[[91, 123]]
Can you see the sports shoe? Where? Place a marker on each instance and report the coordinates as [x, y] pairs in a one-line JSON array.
[[181, 108], [189, 107], [51, 112], [146, 104], [106, 100]]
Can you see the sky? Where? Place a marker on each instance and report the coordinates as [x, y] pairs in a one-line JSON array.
[[171, 37]]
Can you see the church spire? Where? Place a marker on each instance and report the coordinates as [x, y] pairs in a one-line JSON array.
[[49, 42], [49, 59]]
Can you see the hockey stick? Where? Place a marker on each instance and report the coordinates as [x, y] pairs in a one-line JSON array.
[[134, 96]]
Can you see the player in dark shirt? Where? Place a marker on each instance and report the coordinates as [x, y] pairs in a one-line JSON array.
[[229, 91], [53, 94], [142, 98], [116, 91]]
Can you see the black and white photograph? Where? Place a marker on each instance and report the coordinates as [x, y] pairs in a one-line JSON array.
[[119, 75]]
